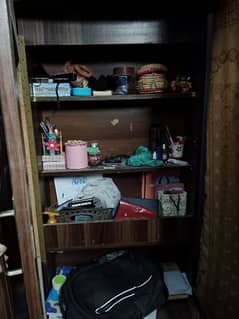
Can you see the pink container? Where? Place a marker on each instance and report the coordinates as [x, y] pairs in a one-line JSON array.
[[76, 154]]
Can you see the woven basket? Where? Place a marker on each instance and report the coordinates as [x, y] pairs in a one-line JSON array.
[[84, 215], [152, 83]]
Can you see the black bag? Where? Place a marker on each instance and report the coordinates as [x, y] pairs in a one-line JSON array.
[[124, 287]]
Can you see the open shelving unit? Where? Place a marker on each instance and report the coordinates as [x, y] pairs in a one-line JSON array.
[[55, 33]]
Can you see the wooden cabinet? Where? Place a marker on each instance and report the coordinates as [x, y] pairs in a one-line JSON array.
[[142, 37]]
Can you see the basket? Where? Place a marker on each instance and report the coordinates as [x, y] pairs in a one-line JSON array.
[[152, 83], [84, 215]]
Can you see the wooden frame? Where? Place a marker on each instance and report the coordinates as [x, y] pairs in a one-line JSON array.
[[14, 141]]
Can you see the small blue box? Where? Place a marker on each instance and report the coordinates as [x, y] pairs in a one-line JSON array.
[[81, 91]]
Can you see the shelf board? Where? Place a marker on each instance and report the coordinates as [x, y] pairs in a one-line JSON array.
[[107, 170], [126, 97], [118, 233]]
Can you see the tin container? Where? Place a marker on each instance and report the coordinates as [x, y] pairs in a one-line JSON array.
[[94, 157], [125, 80], [76, 154], [121, 84]]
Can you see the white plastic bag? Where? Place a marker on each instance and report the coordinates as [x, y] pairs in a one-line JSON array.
[[104, 190]]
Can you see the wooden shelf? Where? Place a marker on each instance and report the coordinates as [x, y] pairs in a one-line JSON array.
[[118, 233], [107, 170], [126, 97]]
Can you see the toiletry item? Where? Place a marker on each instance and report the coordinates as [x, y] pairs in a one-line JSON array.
[[94, 157], [58, 281], [164, 153]]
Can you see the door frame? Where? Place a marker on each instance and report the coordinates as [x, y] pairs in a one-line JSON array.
[[17, 161]]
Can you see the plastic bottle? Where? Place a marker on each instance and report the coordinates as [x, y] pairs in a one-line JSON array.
[[164, 153], [94, 157]]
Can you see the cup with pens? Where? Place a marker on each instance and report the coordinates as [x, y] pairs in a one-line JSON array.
[[176, 145], [51, 139]]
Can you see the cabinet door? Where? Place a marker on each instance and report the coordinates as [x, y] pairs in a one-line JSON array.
[[13, 133]]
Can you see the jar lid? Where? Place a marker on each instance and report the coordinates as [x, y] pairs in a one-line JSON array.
[[75, 142], [123, 70], [93, 150]]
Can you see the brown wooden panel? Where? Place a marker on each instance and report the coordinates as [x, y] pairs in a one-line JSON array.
[[79, 27], [101, 234], [40, 31], [121, 233], [129, 185], [118, 131]]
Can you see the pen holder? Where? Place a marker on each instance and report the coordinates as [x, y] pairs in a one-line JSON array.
[[177, 150]]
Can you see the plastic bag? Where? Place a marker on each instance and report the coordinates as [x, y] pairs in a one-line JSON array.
[[104, 190]]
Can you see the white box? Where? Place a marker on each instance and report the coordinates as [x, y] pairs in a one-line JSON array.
[[49, 89]]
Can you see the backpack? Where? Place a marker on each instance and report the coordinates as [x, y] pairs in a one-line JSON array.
[[127, 286]]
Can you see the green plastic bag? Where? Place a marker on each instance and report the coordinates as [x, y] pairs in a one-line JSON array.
[[143, 157]]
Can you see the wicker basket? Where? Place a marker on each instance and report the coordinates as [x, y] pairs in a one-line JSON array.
[[152, 83], [84, 215]]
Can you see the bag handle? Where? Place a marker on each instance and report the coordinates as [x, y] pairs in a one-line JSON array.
[[176, 204], [159, 181]]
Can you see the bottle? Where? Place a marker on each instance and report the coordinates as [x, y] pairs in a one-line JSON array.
[[164, 153], [94, 157], [154, 138]]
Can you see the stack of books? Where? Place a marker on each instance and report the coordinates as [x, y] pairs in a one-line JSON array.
[[52, 162], [176, 282]]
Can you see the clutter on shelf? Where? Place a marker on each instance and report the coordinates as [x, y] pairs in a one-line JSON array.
[[80, 80]]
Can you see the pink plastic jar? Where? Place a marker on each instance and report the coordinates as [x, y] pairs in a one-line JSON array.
[[76, 154]]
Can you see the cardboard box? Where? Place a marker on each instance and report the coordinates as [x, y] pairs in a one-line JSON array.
[[49, 89]]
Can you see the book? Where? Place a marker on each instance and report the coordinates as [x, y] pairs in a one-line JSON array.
[[176, 282], [152, 315]]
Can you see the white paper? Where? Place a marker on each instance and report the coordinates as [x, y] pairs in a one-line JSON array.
[[152, 315], [177, 283], [70, 187]]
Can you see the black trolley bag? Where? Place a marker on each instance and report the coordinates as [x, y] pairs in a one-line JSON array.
[[125, 287]]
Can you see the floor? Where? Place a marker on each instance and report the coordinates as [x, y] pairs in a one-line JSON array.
[[19, 297], [183, 309]]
